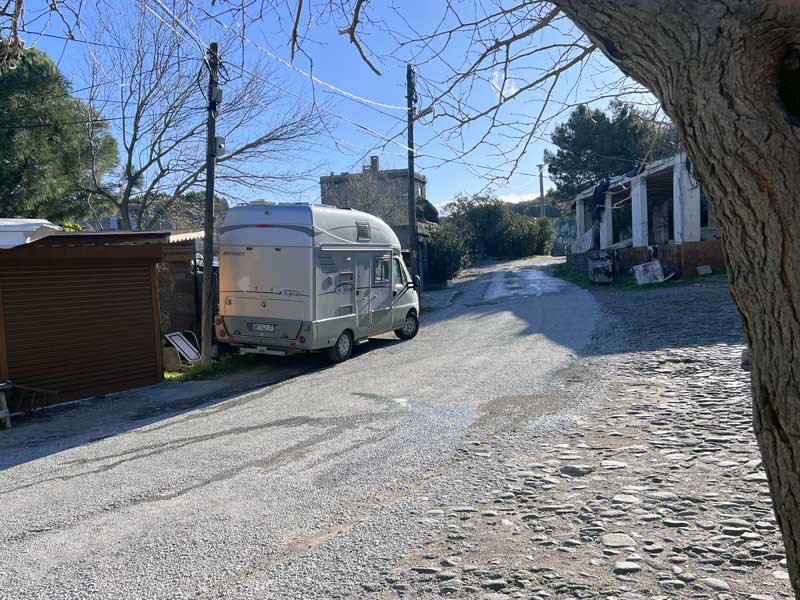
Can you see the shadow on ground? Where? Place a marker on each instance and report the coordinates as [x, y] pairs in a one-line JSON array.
[[669, 312], [59, 428], [542, 305]]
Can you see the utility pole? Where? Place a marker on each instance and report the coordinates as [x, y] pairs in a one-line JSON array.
[[541, 189], [411, 96], [208, 239]]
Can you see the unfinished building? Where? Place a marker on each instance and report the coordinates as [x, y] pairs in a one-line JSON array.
[[655, 210]]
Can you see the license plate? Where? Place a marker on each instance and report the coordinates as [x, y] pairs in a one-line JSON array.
[[264, 327]]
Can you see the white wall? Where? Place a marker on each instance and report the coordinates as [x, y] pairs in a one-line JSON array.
[[639, 211], [686, 202]]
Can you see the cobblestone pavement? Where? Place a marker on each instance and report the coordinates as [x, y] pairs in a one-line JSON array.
[[657, 493]]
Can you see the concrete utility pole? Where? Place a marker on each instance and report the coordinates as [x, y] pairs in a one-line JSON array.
[[541, 189], [208, 241], [411, 97]]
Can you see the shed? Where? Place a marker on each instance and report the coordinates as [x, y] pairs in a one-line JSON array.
[[79, 312]]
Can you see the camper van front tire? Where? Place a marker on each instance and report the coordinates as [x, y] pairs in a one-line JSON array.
[[410, 327], [342, 349]]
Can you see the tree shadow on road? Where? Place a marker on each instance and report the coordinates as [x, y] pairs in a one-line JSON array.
[[700, 313], [61, 427]]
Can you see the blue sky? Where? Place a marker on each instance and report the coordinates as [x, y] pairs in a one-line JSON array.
[[336, 61]]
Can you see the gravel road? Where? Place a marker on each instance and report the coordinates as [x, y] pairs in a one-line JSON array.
[[308, 488]]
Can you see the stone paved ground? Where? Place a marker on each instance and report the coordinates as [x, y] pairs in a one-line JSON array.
[[657, 493]]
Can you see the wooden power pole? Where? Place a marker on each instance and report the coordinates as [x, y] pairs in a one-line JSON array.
[[208, 240], [411, 96]]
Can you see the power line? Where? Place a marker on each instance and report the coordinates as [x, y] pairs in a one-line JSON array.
[[70, 38], [293, 94], [79, 122], [322, 108], [299, 97], [370, 103], [86, 42], [297, 69], [69, 93], [196, 38]]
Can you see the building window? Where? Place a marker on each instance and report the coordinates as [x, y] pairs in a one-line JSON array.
[[362, 232], [382, 269]]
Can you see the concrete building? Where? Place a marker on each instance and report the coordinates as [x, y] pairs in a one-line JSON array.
[[644, 212], [383, 193], [662, 204]]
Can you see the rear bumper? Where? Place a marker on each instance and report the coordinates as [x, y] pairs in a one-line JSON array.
[[289, 336]]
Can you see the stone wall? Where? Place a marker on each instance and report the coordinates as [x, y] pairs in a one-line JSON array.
[[709, 252], [578, 262], [681, 259], [566, 231], [383, 193], [176, 288]]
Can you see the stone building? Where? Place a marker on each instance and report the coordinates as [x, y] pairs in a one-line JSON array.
[[383, 193]]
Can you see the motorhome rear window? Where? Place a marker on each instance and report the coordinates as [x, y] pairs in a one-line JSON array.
[[362, 232]]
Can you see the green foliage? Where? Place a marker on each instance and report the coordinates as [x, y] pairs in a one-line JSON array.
[[545, 236], [593, 144], [579, 278], [448, 254], [165, 211], [491, 227], [44, 142], [533, 208], [427, 211], [71, 227]]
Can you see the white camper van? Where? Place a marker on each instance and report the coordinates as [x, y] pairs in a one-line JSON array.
[[304, 277]]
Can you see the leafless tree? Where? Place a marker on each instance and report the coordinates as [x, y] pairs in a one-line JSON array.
[[152, 83], [373, 193]]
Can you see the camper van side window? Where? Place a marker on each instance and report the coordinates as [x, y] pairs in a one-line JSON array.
[[362, 232], [382, 269]]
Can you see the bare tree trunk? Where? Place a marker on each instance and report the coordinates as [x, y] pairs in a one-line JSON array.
[[728, 74], [125, 215]]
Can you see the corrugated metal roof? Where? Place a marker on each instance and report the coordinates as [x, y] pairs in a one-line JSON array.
[[115, 237]]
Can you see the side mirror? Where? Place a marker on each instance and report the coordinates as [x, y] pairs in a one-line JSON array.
[[417, 282]]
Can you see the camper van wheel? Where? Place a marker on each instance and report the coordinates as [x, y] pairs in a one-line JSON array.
[[410, 327], [342, 349]]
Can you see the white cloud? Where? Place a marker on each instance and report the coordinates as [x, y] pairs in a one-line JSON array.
[[496, 81], [517, 198]]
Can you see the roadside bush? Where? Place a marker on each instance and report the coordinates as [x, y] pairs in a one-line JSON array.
[[491, 227], [516, 237], [545, 236], [448, 253]]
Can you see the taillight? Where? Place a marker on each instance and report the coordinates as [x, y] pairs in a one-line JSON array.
[[302, 339]]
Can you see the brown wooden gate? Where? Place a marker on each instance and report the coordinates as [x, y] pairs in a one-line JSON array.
[[80, 320]]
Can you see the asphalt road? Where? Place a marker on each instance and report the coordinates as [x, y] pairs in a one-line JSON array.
[[305, 489]]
